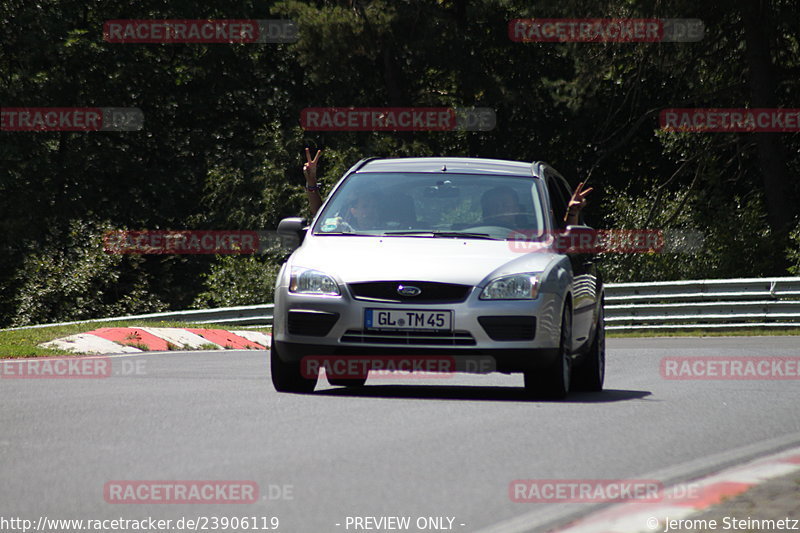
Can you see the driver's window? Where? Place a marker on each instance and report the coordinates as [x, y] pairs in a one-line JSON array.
[[557, 199]]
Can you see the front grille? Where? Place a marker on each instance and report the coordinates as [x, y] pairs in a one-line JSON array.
[[509, 328], [431, 291], [312, 323], [409, 338]]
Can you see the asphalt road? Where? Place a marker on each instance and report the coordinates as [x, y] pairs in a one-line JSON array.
[[417, 448]]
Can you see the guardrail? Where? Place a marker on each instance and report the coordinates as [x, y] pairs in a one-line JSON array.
[[245, 315], [694, 304], [704, 304]]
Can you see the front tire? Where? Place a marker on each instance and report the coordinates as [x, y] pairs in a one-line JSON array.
[[591, 374], [286, 376], [553, 381]]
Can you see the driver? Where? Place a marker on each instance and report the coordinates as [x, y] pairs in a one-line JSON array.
[[500, 207]]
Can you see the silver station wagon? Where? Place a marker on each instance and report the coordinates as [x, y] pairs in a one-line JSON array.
[[421, 258]]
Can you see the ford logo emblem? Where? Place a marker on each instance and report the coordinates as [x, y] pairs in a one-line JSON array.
[[408, 290]]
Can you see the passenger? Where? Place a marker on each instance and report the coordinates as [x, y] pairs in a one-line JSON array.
[[363, 212]]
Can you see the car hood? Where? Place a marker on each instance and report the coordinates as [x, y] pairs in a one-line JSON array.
[[450, 260]]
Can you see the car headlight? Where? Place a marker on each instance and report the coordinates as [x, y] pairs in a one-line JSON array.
[[308, 281], [515, 287]]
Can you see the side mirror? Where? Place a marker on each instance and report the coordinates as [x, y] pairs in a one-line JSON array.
[[578, 239], [292, 231], [578, 229]]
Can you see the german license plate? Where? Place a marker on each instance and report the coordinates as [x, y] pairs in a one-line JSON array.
[[408, 319]]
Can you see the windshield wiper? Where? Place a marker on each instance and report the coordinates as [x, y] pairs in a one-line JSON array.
[[445, 234], [348, 233]]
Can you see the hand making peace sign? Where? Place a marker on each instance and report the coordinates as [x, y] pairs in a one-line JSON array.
[[312, 189], [310, 168], [576, 203]]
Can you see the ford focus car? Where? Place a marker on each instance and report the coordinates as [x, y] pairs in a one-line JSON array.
[[422, 258]]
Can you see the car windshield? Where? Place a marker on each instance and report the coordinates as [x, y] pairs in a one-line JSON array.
[[439, 205]]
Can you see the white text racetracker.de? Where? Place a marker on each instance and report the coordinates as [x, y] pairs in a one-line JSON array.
[[400, 523]]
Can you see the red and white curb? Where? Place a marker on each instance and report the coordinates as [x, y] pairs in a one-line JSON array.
[[639, 517], [107, 341]]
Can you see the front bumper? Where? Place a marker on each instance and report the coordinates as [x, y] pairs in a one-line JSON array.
[[517, 334]]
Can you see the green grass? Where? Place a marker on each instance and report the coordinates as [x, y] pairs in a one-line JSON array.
[[749, 332], [208, 346], [140, 345], [24, 342]]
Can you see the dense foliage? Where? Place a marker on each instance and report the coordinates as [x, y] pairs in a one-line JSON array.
[[222, 147]]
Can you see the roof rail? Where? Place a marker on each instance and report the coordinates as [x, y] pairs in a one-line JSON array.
[[363, 162]]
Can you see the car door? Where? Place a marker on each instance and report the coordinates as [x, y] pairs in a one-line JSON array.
[[584, 269]]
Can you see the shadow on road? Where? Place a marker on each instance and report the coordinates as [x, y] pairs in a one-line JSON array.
[[476, 393]]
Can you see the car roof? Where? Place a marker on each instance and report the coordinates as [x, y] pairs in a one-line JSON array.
[[461, 165]]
